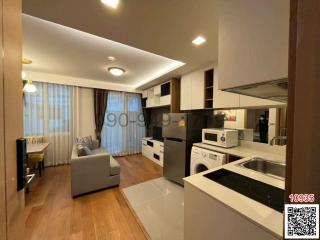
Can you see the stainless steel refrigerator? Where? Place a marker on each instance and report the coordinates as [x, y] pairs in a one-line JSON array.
[[180, 131]]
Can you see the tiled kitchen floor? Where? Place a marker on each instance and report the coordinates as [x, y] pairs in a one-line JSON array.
[[159, 205]]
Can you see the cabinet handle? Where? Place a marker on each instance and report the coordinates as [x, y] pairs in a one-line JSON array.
[[144, 144], [161, 151]]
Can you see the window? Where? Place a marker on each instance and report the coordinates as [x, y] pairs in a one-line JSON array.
[[124, 124], [47, 110]]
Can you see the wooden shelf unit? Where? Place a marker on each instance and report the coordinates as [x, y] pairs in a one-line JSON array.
[[208, 88]]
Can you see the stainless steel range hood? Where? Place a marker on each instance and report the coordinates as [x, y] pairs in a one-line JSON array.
[[276, 90]]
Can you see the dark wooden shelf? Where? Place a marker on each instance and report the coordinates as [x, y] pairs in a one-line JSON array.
[[209, 85]]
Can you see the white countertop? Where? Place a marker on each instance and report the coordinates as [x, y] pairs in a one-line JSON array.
[[266, 217], [249, 149]]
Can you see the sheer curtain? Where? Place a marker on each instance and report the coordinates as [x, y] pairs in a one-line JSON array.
[[123, 125], [49, 112]]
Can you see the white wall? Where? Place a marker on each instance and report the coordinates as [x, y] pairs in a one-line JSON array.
[[86, 123], [240, 119], [272, 132]]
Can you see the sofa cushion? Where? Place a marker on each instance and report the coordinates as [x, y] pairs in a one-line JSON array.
[[114, 167], [83, 150], [85, 141], [99, 151]]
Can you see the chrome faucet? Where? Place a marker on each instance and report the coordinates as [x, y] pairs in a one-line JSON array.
[[282, 140]]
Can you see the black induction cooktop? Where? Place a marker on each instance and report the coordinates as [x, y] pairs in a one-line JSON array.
[[268, 195]]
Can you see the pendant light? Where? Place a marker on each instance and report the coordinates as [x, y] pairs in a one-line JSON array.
[[29, 87]]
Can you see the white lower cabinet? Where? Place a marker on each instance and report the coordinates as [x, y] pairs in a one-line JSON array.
[[153, 150], [207, 218], [147, 150]]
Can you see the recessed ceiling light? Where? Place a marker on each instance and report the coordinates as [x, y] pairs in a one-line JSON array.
[[115, 71], [111, 3], [111, 59], [199, 40]]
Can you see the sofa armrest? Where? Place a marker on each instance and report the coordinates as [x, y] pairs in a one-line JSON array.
[[89, 173]]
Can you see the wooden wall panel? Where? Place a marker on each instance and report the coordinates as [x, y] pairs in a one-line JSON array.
[[175, 95], [3, 223], [12, 113], [303, 151]]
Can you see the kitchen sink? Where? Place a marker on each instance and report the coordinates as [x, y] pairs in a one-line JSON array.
[[267, 167]]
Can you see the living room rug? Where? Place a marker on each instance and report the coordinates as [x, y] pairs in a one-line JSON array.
[[159, 205]]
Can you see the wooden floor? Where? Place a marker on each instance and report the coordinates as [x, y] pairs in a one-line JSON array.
[[51, 213]]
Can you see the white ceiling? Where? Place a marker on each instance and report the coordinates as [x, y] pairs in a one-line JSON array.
[[57, 49], [163, 27]]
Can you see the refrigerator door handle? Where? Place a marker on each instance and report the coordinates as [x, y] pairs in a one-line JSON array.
[[174, 139]]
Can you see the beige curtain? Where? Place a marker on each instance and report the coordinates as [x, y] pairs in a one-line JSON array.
[[51, 112]]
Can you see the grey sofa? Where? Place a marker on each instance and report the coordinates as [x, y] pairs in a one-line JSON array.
[[96, 171]]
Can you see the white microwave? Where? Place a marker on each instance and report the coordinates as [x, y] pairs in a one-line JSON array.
[[220, 137]]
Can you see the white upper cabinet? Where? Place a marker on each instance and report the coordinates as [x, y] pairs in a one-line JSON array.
[[192, 91], [185, 94], [150, 93], [253, 41], [224, 99], [145, 94], [157, 90], [197, 90]]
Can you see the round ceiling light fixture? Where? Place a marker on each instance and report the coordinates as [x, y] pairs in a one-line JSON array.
[[115, 71]]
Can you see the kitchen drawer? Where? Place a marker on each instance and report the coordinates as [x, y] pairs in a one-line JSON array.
[[147, 151], [158, 146], [158, 158]]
